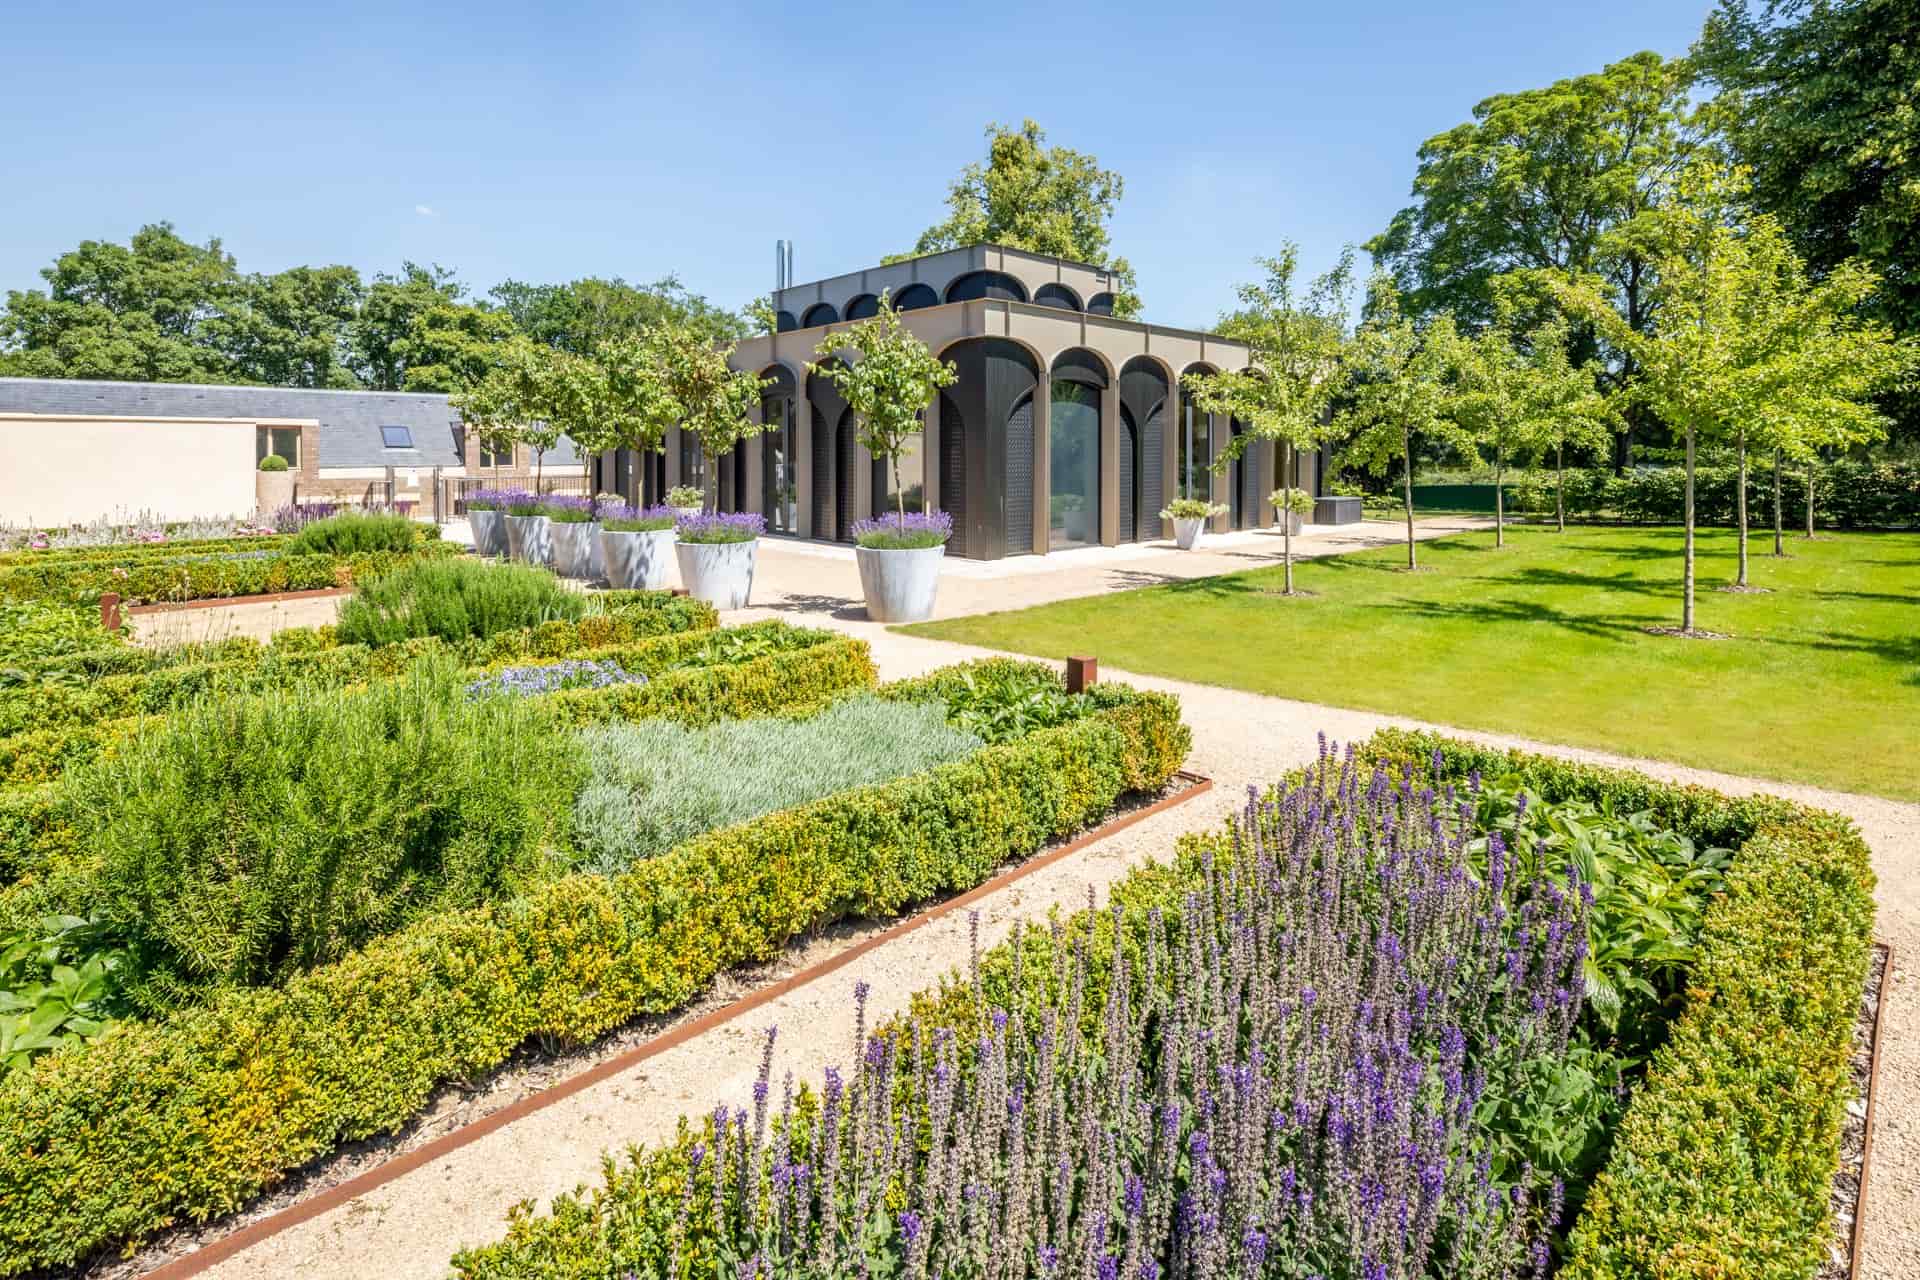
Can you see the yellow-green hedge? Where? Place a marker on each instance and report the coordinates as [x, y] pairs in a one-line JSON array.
[[141, 579], [180, 1121]]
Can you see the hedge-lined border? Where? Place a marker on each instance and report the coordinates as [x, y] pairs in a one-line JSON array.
[[45, 708], [181, 578], [138, 550], [1724, 1162], [191, 1118]]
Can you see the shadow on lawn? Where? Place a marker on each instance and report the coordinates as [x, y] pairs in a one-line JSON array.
[[1615, 628], [1900, 651]]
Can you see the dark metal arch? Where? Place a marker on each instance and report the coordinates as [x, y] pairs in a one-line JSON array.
[[986, 284], [915, 296], [780, 379], [986, 447], [1077, 364], [1143, 399], [862, 306], [783, 322], [1057, 295], [823, 396], [1100, 304], [818, 314]]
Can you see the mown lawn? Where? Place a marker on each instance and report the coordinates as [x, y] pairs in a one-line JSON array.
[[1819, 680]]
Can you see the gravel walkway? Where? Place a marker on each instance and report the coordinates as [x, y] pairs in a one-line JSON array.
[[409, 1227]]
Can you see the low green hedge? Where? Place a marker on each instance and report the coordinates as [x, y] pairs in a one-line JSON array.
[[1724, 1163], [111, 697], [157, 1124], [202, 577], [141, 550]]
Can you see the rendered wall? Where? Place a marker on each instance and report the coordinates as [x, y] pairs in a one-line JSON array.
[[70, 470]]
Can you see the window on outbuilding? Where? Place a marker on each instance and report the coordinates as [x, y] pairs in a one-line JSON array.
[[397, 437], [284, 441]]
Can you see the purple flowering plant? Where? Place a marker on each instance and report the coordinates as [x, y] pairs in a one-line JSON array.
[[721, 526], [904, 530], [567, 510], [1273, 1058], [622, 518]]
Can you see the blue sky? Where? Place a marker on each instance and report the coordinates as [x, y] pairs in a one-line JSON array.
[[549, 141]]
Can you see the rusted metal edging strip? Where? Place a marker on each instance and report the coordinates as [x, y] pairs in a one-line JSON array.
[[333, 1197], [216, 602], [1873, 1089]]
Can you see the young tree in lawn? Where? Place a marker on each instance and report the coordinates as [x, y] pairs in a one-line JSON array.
[[1493, 405], [1399, 388], [686, 380], [887, 387], [1738, 335], [1565, 407], [1297, 342]]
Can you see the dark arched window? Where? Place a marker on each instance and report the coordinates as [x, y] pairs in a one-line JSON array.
[[1143, 402], [986, 284], [778, 492], [863, 306], [1056, 295], [915, 295], [785, 321], [1073, 448], [1100, 304], [818, 314]]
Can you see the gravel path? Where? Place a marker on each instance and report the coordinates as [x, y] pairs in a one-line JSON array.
[[409, 1227]]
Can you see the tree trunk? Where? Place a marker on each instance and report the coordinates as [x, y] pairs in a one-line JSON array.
[[1740, 509], [900, 494], [1286, 522], [1779, 547], [710, 482], [1560, 484], [1499, 498], [1413, 561], [1809, 498], [1686, 604]]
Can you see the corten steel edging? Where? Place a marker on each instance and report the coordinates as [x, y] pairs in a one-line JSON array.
[[333, 1197], [1866, 1142], [215, 602]]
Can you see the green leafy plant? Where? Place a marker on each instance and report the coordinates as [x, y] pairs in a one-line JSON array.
[[59, 985], [273, 462], [1295, 501], [1001, 698], [1192, 509], [685, 495], [352, 532], [455, 600]]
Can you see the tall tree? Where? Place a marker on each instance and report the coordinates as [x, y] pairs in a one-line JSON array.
[[385, 326], [581, 315], [290, 329], [1533, 184], [1399, 390], [1296, 339], [452, 345], [1028, 195], [137, 312], [1738, 335]]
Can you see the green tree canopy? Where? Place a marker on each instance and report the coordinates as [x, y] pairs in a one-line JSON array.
[[888, 385], [386, 320], [679, 377], [451, 345], [585, 313], [1028, 195], [290, 329]]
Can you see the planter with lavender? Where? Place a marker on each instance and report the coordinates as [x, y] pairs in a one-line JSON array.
[[1190, 516], [529, 532], [636, 545], [576, 538], [716, 555], [899, 556], [686, 500], [487, 519]]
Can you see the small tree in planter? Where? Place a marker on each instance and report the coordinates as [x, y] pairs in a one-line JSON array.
[[887, 386], [1190, 516], [716, 554], [688, 382], [1293, 506]]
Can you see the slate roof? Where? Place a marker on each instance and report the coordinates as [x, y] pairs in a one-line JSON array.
[[350, 421]]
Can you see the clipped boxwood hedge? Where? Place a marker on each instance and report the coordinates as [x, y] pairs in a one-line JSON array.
[[143, 580], [147, 692], [157, 1124], [138, 550], [1724, 1162]]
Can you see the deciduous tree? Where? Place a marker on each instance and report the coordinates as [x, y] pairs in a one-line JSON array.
[[684, 379]]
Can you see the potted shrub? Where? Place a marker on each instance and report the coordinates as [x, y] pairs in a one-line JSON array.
[[1291, 507], [686, 500], [1190, 516], [488, 521], [900, 555], [635, 546], [892, 378], [529, 536], [716, 555], [575, 537], [272, 484]]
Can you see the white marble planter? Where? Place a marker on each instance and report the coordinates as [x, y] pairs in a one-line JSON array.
[[721, 573], [489, 532], [576, 549], [1290, 522], [1187, 531], [530, 540], [900, 585], [637, 561]]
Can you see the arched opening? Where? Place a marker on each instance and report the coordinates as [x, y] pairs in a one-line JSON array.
[[779, 485], [1056, 295], [863, 306], [915, 296], [986, 284], [1073, 450], [784, 322], [1100, 304], [1143, 403], [846, 456], [953, 471], [987, 448], [1243, 479], [827, 404], [818, 314], [1193, 451]]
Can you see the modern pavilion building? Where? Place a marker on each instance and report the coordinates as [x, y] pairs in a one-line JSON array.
[[1067, 427]]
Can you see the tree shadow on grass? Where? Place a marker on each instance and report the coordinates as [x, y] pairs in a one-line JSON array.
[[1500, 612], [1878, 597], [1625, 581], [1899, 651]]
